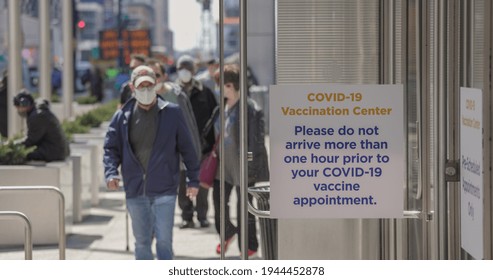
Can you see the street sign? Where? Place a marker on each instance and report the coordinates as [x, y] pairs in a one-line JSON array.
[[337, 151], [133, 41], [471, 171]]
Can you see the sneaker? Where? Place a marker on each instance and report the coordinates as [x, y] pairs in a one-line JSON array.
[[226, 245], [187, 224], [251, 253], [204, 223]]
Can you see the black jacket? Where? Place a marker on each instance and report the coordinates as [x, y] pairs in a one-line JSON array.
[[44, 132], [3, 107], [203, 104], [258, 168]]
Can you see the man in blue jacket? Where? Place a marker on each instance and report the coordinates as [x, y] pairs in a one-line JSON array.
[[146, 137]]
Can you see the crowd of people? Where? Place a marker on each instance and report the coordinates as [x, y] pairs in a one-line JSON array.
[[158, 139], [155, 143]]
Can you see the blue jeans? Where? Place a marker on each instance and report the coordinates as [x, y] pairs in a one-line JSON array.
[[152, 216]]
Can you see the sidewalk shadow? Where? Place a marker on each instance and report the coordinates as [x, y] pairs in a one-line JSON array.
[[73, 241], [81, 241], [113, 251], [113, 204], [92, 219]]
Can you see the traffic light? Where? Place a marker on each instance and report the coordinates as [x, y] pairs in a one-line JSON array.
[[81, 24]]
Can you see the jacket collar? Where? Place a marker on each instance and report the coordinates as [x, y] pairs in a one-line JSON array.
[[195, 84], [161, 103], [128, 107]]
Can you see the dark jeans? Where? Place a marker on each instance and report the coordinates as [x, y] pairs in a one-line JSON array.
[[186, 204], [231, 229]]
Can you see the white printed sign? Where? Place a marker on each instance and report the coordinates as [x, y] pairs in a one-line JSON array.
[[471, 171], [337, 151]]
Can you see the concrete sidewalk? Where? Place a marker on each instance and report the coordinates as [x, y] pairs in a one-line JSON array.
[[102, 236]]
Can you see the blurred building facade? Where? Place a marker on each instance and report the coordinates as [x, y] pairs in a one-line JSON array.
[[231, 27], [30, 30], [135, 14], [138, 14], [30, 38], [260, 37], [89, 21]]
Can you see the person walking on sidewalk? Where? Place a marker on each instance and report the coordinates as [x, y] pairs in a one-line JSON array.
[[171, 92], [203, 104], [258, 169], [147, 137], [136, 60]]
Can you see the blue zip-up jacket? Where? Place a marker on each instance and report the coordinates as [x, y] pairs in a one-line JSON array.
[[172, 139]]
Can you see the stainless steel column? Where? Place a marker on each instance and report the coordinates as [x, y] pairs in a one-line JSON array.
[[387, 60], [488, 117], [426, 186], [402, 231], [450, 66], [444, 45], [45, 66], [464, 28], [15, 65], [222, 196], [243, 131], [459, 74], [68, 59], [467, 46], [387, 71]]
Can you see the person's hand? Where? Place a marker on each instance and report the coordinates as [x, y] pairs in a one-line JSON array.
[[113, 184], [192, 192]]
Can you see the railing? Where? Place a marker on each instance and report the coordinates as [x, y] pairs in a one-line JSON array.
[[20, 190], [28, 241], [262, 191]]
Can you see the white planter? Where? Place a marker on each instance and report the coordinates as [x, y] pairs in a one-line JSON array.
[[40, 209]]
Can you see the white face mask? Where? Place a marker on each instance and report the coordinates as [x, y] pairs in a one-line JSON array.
[[145, 96], [184, 75]]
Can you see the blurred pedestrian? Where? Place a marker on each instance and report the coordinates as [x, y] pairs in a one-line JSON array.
[[203, 104], [207, 77], [56, 80], [3, 105], [97, 84], [125, 89], [147, 137], [43, 129], [258, 169], [171, 92]]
